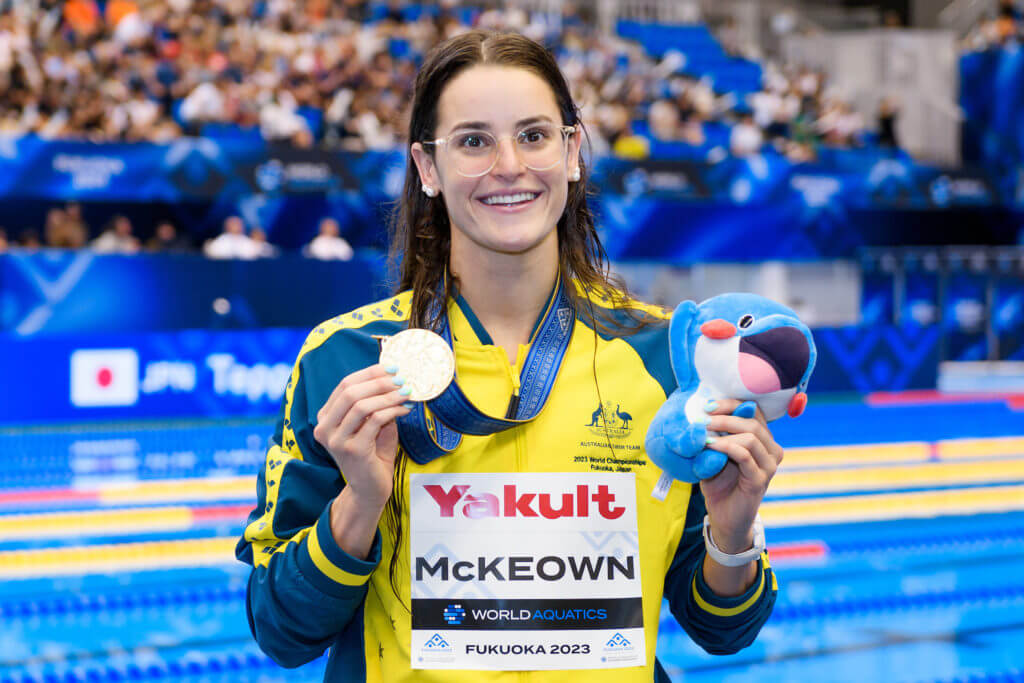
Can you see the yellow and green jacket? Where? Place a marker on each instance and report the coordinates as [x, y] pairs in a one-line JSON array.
[[306, 595]]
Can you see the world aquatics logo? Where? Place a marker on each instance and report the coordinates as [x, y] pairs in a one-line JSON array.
[[454, 614]]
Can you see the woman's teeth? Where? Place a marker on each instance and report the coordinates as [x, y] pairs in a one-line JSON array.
[[510, 199]]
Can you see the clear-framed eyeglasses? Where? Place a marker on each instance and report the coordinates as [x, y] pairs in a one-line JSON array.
[[540, 147]]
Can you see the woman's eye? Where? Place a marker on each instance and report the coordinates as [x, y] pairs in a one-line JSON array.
[[472, 140], [533, 136], [746, 321]]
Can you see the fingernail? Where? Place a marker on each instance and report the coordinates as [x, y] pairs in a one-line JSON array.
[[710, 406], [391, 369], [405, 391], [398, 380], [710, 440], [409, 404], [704, 420]]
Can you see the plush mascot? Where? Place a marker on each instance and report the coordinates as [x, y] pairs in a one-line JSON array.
[[739, 346]]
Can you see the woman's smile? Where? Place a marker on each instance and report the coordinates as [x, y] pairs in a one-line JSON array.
[[510, 201]]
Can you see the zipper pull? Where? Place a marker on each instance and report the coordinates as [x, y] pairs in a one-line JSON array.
[[513, 405]]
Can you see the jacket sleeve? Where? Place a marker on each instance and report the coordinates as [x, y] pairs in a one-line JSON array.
[[304, 591], [719, 625]]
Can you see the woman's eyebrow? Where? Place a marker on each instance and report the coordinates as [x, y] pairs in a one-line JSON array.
[[483, 125]]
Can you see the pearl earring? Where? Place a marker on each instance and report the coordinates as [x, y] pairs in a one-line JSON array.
[[429, 191], [575, 175]]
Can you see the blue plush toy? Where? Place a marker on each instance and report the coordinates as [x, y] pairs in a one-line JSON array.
[[740, 346]]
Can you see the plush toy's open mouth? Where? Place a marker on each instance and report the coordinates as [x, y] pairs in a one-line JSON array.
[[774, 359]]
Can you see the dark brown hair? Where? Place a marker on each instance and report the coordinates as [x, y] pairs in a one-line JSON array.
[[421, 231]]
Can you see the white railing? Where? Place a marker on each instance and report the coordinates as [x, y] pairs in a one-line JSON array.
[[661, 11], [963, 15], [609, 11], [918, 68]]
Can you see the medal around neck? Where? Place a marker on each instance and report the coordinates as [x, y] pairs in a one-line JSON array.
[[452, 414], [424, 360]]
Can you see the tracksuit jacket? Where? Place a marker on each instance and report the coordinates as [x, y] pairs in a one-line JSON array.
[[306, 595]]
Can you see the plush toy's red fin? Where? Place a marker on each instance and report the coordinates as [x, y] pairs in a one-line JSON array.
[[797, 404]]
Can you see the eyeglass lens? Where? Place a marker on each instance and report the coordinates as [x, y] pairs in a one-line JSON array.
[[475, 152]]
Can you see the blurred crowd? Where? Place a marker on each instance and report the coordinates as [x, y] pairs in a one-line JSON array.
[[338, 73], [65, 228], [794, 112], [1004, 28]]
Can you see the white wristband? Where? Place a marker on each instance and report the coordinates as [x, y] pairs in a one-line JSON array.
[[739, 559]]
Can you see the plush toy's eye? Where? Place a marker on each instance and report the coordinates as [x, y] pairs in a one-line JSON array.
[[746, 321]]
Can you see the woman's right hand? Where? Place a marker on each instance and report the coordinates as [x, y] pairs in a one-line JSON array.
[[357, 427]]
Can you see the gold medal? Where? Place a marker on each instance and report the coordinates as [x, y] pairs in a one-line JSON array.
[[424, 360]]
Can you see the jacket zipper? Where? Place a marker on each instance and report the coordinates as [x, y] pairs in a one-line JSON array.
[[510, 413], [513, 404]]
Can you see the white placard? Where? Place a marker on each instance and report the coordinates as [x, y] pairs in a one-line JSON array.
[[525, 571]]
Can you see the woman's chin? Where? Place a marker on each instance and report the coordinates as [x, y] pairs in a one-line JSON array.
[[501, 237], [506, 244]]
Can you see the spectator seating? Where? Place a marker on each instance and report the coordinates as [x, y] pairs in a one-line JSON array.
[[704, 54]]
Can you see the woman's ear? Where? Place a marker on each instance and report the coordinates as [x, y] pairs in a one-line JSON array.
[[575, 144], [427, 169]]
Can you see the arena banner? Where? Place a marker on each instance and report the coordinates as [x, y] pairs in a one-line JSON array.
[[183, 170], [58, 292], [206, 168], [764, 207], [675, 208], [189, 373], [992, 97], [197, 373], [873, 358]]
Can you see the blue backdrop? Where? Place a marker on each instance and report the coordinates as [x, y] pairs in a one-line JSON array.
[[187, 373], [56, 292], [765, 207], [992, 97], [669, 210], [211, 373]]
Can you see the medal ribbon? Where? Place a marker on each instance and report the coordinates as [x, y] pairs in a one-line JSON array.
[[454, 414]]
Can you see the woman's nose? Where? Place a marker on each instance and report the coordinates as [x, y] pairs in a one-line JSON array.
[[508, 162]]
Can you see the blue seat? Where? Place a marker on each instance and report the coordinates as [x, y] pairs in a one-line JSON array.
[[314, 119], [399, 48], [377, 11], [229, 131], [717, 134], [414, 12], [467, 15], [176, 113]]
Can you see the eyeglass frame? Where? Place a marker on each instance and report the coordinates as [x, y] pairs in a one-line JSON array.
[[565, 130]]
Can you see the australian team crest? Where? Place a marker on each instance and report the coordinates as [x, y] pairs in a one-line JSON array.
[[610, 419]]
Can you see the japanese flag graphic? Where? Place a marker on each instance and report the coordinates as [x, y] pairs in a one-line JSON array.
[[104, 377]]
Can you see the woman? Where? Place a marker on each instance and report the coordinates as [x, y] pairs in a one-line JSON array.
[[538, 548]]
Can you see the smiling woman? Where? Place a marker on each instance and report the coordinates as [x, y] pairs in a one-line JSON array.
[[504, 192], [372, 502]]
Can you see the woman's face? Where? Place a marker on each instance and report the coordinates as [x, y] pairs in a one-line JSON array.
[[501, 101]]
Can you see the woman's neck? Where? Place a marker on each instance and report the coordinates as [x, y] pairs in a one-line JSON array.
[[507, 291]]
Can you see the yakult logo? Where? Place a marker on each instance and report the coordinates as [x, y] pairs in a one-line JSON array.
[[514, 503]]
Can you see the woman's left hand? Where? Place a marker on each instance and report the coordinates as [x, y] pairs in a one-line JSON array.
[[734, 495]]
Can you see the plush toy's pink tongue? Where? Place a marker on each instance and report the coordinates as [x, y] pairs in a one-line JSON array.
[[758, 375]]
